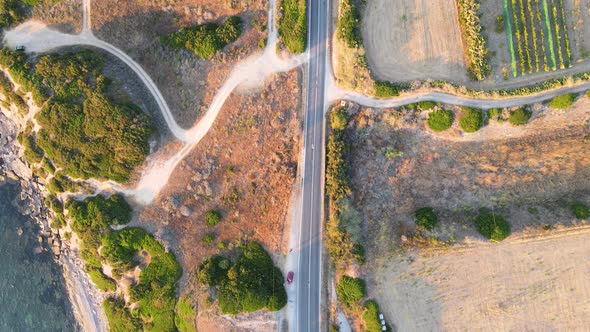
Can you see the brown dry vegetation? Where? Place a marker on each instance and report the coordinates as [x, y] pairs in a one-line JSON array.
[[528, 174], [187, 82], [251, 151], [65, 15]]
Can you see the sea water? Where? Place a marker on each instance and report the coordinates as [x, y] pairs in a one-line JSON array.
[[32, 289]]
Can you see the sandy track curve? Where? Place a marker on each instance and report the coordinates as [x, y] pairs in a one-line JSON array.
[[336, 93]]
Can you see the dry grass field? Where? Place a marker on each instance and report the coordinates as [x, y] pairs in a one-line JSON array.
[[413, 40], [538, 284], [450, 278]]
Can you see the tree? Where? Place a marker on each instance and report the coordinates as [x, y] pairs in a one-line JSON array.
[[472, 120], [440, 120], [580, 210], [520, 116], [213, 217], [426, 218], [563, 101], [492, 226]]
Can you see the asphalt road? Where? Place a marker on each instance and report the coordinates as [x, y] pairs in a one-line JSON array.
[[308, 277]]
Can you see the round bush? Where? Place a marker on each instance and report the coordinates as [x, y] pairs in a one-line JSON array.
[[563, 101], [426, 218], [520, 116], [213, 218], [472, 120], [580, 210], [492, 226], [440, 120]]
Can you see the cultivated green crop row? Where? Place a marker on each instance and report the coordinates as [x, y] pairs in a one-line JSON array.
[[539, 29]]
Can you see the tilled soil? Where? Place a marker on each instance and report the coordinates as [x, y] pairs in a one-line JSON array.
[[413, 40]]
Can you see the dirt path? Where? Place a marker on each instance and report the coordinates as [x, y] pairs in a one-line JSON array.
[[336, 93]]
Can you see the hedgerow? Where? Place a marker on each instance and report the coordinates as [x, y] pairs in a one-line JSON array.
[[477, 51], [386, 89], [293, 25], [348, 27], [563, 101], [371, 317], [205, 39]]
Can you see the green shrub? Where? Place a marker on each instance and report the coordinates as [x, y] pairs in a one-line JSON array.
[[338, 119], [426, 105], [33, 153], [205, 39], [185, 315], [500, 24], [83, 131], [426, 218], [155, 293], [120, 319], [440, 120], [580, 210], [209, 238], [337, 186], [348, 28], [250, 284], [101, 281], [471, 120], [520, 116], [386, 89], [563, 101], [350, 290], [12, 12], [389, 153], [293, 25], [371, 317], [213, 217], [494, 112], [492, 226]]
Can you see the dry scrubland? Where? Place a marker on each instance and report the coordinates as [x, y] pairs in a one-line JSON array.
[[538, 284], [528, 174], [65, 15], [413, 40], [245, 167], [187, 82]]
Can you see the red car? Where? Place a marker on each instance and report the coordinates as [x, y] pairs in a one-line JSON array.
[[290, 277]]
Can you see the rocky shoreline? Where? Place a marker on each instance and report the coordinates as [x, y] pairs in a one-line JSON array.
[[84, 297]]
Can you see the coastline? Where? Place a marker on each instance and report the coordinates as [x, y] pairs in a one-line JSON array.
[[85, 299]]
